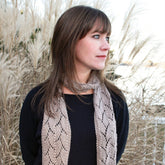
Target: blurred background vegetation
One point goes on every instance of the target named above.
(25, 37)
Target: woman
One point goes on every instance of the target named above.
(75, 117)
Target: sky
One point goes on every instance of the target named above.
(150, 20)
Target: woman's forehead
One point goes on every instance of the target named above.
(101, 27)
(98, 28)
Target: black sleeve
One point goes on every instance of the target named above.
(122, 123)
(27, 130)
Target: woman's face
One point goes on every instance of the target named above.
(91, 51)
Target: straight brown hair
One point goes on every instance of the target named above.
(72, 26)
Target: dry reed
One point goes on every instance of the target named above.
(144, 92)
(25, 39)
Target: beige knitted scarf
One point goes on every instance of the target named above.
(56, 132)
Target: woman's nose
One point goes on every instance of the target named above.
(105, 45)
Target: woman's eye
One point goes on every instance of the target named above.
(97, 36)
(107, 38)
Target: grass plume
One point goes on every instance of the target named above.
(25, 39)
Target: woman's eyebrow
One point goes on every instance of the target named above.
(97, 31)
(100, 32)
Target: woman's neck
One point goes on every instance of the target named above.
(67, 91)
(82, 78)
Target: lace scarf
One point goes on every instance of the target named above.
(56, 132)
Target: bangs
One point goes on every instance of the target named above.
(102, 25)
(97, 19)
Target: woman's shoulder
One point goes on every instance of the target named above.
(33, 97)
(116, 94)
(32, 93)
(31, 104)
(118, 99)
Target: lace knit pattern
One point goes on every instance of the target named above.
(56, 132)
(105, 125)
(56, 136)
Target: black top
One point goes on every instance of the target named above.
(83, 139)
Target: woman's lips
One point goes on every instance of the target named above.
(101, 56)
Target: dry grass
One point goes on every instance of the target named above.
(25, 60)
(143, 90)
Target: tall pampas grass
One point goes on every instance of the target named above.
(25, 38)
(11, 71)
(37, 47)
(144, 92)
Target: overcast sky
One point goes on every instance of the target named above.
(152, 18)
